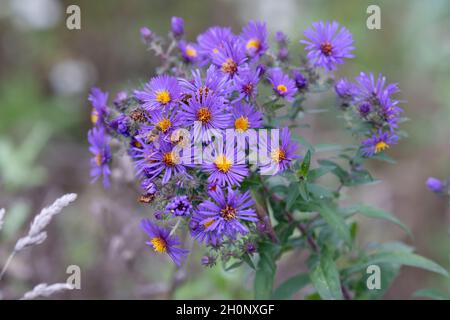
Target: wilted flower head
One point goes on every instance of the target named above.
(327, 46)
(121, 124)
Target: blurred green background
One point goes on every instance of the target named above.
(46, 71)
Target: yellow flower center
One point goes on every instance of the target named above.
(98, 159)
(380, 146)
(215, 50)
(163, 96)
(229, 66)
(281, 88)
(164, 125)
(278, 155)
(204, 115)
(206, 225)
(253, 44)
(223, 163)
(94, 116)
(170, 159)
(241, 124)
(228, 213)
(159, 244)
(191, 52)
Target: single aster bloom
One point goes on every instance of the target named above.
(327, 45)
(201, 231)
(282, 85)
(99, 147)
(435, 185)
(179, 206)
(177, 25)
(214, 82)
(166, 121)
(280, 157)
(213, 40)
(246, 84)
(345, 89)
(231, 59)
(162, 242)
(99, 101)
(189, 51)
(224, 168)
(254, 36)
(160, 92)
(208, 114)
(152, 161)
(228, 213)
(245, 117)
(378, 143)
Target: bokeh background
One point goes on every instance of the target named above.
(46, 71)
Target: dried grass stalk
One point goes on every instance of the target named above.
(2, 218)
(45, 290)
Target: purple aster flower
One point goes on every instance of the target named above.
(207, 114)
(300, 81)
(225, 168)
(162, 242)
(166, 121)
(378, 143)
(214, 82)
(327, 46)
(378, 94)
(254, 36)
(281, 38)
(364, 109)
(99, 101)
(152, 161)
(227, 213)
(213, 40)
(231, 59)
(146, 34)
(246, 84)
(121, 124)
(345, 89)
(282, 156)
(189, 51)
(177, 26)
(282, 85)
(99, 147)
(245, 116)
(161, 91)
(435, 185)
(201, 231)
(179, 206)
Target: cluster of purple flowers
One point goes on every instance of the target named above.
(213, 86)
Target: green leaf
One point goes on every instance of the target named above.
(408, 259)
(325, 277)
(293, 193)
(265, 271)
(291, 286)
(377, 213)
(430, 293)
(234, 266)
(248, 260)
(304, 191)
(336, 222)
(305, 165)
